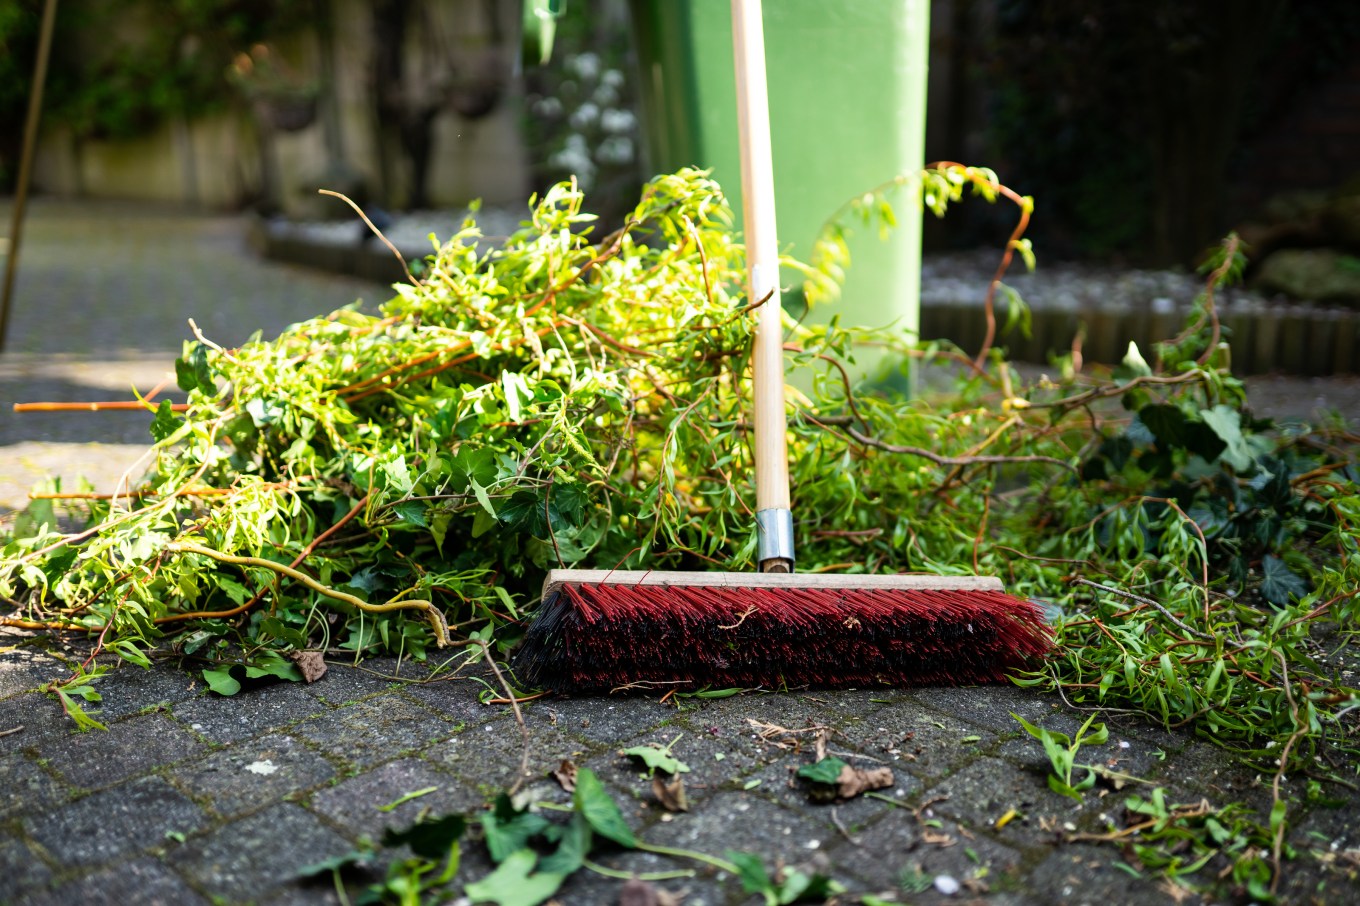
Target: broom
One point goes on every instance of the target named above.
(599, 630)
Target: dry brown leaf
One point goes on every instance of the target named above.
(311, 663)
(934, 839)
(670, 795)
(973, 885)
(566, 775)
(853, 781)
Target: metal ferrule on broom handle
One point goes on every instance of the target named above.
(774, 519)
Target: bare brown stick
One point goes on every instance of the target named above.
(104, 406)
(376, 232)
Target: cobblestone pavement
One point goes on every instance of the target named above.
(194, 798)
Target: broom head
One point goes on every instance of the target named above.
(601, 630)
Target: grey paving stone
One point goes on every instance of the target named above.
(129, 689)
(1080, 875)
(742, 822)
(457, 699)
(354, 805)
(920, 740)
(25, 667)
(307, 892)
(25, 787)
(248, 713)
(794, 710)
(345, 682)
(40, 717)
(991, 706)
(984, 791)
(602, 719)
(247, 859)
(899, 842)
(20, 869)
(142, 743)
(779, 782)
(586, 888)
(375, 730)
(141, 881)
(488, 755)
(253, 773)
(116, 822)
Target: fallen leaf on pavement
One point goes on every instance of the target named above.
(940, 840)
(566, 775)
(670, 795)
(311, 663)
(854, 781)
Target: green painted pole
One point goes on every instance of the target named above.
(847, 88)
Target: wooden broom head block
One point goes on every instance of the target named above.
(825, 581)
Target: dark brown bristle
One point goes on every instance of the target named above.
(594, 637)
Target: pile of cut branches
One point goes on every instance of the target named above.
(395, 481)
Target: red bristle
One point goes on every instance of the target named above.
(594, 637)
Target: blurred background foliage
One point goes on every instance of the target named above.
(1144, 128)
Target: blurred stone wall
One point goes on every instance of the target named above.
(460, 50)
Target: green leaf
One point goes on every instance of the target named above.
(431, 838)
(657, 757)
(828, 770)
(751, 871)
(192, 371)
(1226, 422)
(1167, 423)
(271, 664)
(1280, 583)
(594, 804)
(165, 423)
(219, 680)
(335, 863)
(572, 848)
(508, 829)
(515, 883)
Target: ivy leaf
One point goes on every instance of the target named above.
(657, 757)
(572, 850)
(1281, 583)
(220, 680)
(515, 883)
(431, 838)
(192, 372)
(1167, 424)
(1226, 422)
(595, 806)
(828, 770)
(355, 857)
(273, 664)
(751, 871)
(508, 830)
(165, 423)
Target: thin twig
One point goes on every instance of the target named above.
(1142, 600)
(376, 232)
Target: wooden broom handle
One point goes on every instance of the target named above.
(762, 256)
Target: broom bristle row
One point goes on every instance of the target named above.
(594, 637)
